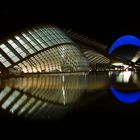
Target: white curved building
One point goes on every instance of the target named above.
(42, 48)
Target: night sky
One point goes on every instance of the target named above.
(103, 22)
(100, 20)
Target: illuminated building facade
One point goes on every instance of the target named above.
(47, 49)
(41, 49)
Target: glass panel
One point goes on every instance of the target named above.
(23, 54)
(30, 51)
(4, 61)
(15, 46)
(32, 41)
(9, 53)
(25, 45)
(6, 64)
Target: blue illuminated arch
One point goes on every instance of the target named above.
(125, 40)
(125, 97)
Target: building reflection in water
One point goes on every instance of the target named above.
(47, 96)
(128, 80)
(124, 77)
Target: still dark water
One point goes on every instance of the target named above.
(68, 100)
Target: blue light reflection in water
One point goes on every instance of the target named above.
(125, 97)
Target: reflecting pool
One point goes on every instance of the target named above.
(53, 97)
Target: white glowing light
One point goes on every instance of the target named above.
(120, 64)
(63, 90)
(124, 77)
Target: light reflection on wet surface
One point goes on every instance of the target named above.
(44, 97)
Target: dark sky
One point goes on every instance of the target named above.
(101, 21)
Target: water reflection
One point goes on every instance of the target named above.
(47, 96)
(124, 77)
(131, 80)
(126, 97)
